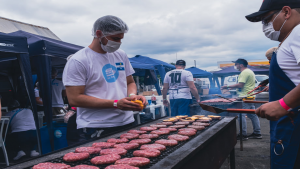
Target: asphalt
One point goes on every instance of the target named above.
(256, 153)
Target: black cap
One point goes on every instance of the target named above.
(271, 5)
(241, 61)
(180, 63)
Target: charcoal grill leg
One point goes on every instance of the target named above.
(241, 133)
(232, 159)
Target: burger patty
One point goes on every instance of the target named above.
(49, 165)
(187, 133)
(137, 132)
(121, 166)
(160, 132)
(178, 137)
(150, 136)
(158, 126)
(127, 146)
(153, 146)
(120, 151)
(71, 157)
(84, 167)
(169, 129)
(117, 141)
(167, 142)
(203, 120)
(90, 150)
(148, 153)
(177, 126)
(148, 128)
(189, 129)
(182, 123)
(141, 141)
(103, 145)
(129, 136)
(165, 123)
(105, 159)
(134, 161)
(196, 127)
(200, 124)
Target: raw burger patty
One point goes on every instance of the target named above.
(160, 132)
(103, 145)
(200, 124)
(189, 129)
(121, 166)
(196, 127)
(177, 126)
(90, 150)
(127, 146)
(120, 151)
(117, 141)
(178, 137)
(158, 126)
(187, 133)
(153, 146)
(84, 167)
(150, 136)
(71, 157)
(105, 159)
(137, 132)
(165, 123)
(49, 165)
(167, 142)
(182, 123)
(148, 128)
(169, 129)
(148, 153)
(129, 136)
(141, 141)
(134, 161)
(203, 120)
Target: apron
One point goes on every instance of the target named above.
(285, 137)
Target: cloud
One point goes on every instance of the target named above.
(201, 30)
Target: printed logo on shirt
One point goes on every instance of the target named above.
(120, 66)
(110, 73)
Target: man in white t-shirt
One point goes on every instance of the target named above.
(180, 84)
(99, 82)
(58, 92)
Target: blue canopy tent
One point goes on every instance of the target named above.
(46, 53)
(15, 63)
(160, 66)
(198, 73)
(231, 71)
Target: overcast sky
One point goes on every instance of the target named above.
(203, 30)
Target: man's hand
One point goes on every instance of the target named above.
(126, 104)
(272, 111)
(138, 97)
(166, 103)
(267, 88)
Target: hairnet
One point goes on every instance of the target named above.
(269, 52)
(109, 25)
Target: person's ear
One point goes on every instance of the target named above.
(287, 12)
(99, 33)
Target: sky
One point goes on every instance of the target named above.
(207, 31)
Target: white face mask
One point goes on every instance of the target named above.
(111, 46)
(270, 31)
(235, 67)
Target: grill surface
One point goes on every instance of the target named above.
(212, 96)
(129, 154)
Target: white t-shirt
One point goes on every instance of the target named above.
(57, 88)
(178, 87)
(104, 76)
(37, 94)
(288, 56)
(23, 121)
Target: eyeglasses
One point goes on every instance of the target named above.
(268, 18)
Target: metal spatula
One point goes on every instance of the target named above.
(218, 110)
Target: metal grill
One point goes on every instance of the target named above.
(208, 97)
(129, 154)
(224, 105)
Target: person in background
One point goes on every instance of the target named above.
(38, 99)
(246, 83)
(99, 82)
(58, 92)
(180, 84)
(23, 131)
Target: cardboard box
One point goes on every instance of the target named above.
(205, 91)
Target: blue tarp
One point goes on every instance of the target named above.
(14, 51)
(198, 73)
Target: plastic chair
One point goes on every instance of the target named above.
(4, 119)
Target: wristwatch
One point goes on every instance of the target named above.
(116, 103)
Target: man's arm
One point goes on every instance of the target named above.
(238, 85)
(131, 89)
(37, 99)
(165, 90)
(194, 90)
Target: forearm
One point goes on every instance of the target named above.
(90, 102)
(131, 88)
(194, 91)
(292, 99)
(165, 92)
(39, 102)
(235, 86)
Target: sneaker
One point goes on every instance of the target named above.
(34, 153)
(20, 155)
(255, 136)
(244, 137)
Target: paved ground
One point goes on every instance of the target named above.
(256, 154)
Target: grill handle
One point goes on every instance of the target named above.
(250, 111)
(251, 101)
